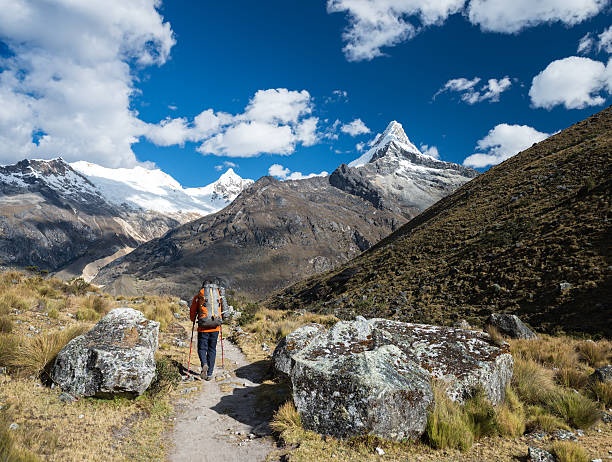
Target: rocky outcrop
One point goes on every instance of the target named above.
(374, 376)
(602, 374)
(116, 357)
(510, 325)
(282, 358)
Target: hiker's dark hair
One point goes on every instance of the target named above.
(207, 281)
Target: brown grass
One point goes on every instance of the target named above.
(567, 451)
(34, 355)
(531, 380)
(601, 392)
(495, 335)
(6, 325)
(595, 354)
(286, 418)
(572, 378)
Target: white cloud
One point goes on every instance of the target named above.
(274, 121)
(249, 139)
(225, 164)
(375, 24)
(469, 94)
(360, 146)
(354, 128)
(431, 151)
(513, 16)
(283, 173)
(575, 82)
(585, 45)
(503, 142)
(72, 83)
(605, 40)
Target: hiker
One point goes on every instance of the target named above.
(207, 308)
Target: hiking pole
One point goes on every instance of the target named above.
(190, 344)
(222, 360)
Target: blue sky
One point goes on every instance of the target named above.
(173, 62)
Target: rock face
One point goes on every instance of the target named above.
(603, 374)
(510, 325)
(116, 357)
(374, 376)
(282, 358)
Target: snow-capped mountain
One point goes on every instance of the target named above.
(154, 190)
(61, 216)
(395, 175)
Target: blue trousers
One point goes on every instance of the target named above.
(207, 349)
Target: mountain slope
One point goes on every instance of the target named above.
(531, 236)
(65, 217)
(276, 233)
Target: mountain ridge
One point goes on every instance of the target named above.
(530, 237)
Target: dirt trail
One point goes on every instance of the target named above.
(215, 427)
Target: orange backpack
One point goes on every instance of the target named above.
(209, 307)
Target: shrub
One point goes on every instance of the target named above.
(481, 414)
(78, 286)
(99, 305)
(448, 426)
(34, 355)
(539, 419)
(511, 415)
(577, 410)
(87, 314)
(167, 377)
(46, 291)
(496, 336)
(567, 451)
(6, 325)
(602, 392)
(572, 378)
(592, 353)
(8, 346)
(286, 418)
(531, 381)
(248, 314)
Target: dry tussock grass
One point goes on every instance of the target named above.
(567, 451)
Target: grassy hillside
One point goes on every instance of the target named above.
(531, 236)
(38, 316)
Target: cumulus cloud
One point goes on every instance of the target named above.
(471, 95)
(283, 173)
(354, 128)
(274, 121)
(430, 151)
(575, 82)
(376, 24)
(66, 90)
(511, 17)
(503, 142)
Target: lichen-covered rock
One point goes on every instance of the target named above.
(602, 374)
(116, 357)
(291, 344)
(374, 376)
(540, 455)
(510, 325)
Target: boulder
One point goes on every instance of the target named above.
(374, 376)
(293, 343)
(539, 455)
(602, 374)
(510, 325)
(114, 358)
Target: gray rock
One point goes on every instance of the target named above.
(13, 426)
(463, 324)
(177, 315)
(564, 435)
(602, 374)
(510, 325)
(116, 357)
(374, 376)
(540, 455)
(66, 398)
(282, 358)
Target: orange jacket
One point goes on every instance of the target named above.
(193, 312)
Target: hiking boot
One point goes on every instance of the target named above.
(208, 378)
(204, 371)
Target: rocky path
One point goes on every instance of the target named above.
(224, 423)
